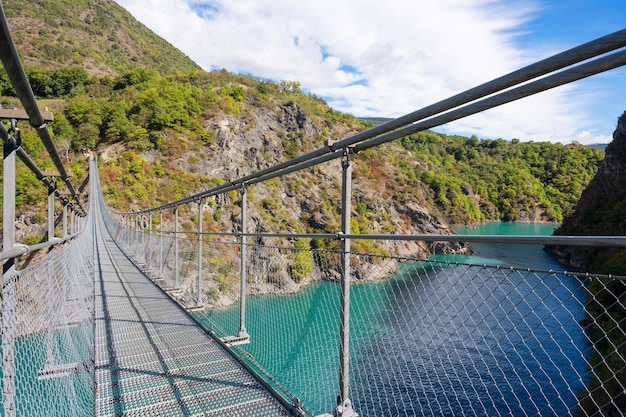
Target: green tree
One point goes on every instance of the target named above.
(135, 76)
(302, 264)
(86, 137)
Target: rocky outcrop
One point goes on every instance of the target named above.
(601, 210)
(384, 200)
(309, 200)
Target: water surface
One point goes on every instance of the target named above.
(434, 339)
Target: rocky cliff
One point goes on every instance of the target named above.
(601, 210)
(384, 199)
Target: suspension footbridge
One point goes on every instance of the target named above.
(110, 320)
(151, 358)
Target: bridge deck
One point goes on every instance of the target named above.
(152, 359)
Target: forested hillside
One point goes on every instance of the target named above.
(167, 129)
(474, 180)
(163, 137)
(600, 211)
(99, 36)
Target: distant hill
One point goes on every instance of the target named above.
(375, 120)
(601, 146)
(97, 35)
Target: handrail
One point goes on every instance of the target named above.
(18, 250)
(21, 153)
(15, 71)
(561, 60)
(581, 71)
(600, 241)
(584, 70)
(525, 239)
(21, 249)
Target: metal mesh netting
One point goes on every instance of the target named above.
(427, 337)
(454, 339)
(48, 315)
(173, 263)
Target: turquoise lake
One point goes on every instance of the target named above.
(426, 335)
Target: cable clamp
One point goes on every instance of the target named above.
(345, 161)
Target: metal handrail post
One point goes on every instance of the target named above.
(8, 281)
(242, 269)
(160, 243)
(176, 248)
(199, 298)
(344, 406)
(148, 253)
(125, 231)
(64, 234)
(50, 309)
(143, 238)
(138, 234)
(51, 212)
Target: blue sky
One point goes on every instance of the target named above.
(372, 58)
(566, 23)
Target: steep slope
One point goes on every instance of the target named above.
(245, 125)
(601, 210)
(97, 35)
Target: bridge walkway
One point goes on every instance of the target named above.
(151, 358)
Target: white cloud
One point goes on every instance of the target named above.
(372, 58)
(587, 138)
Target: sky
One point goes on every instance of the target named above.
(373, 58)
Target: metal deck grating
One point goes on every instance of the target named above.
(152, 359)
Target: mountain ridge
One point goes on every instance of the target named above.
(98, 35)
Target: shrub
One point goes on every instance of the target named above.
(302, 264)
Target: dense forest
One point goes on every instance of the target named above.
(476, 180)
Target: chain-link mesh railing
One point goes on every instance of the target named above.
(427, 337)
(454, 339)
(49, 317)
